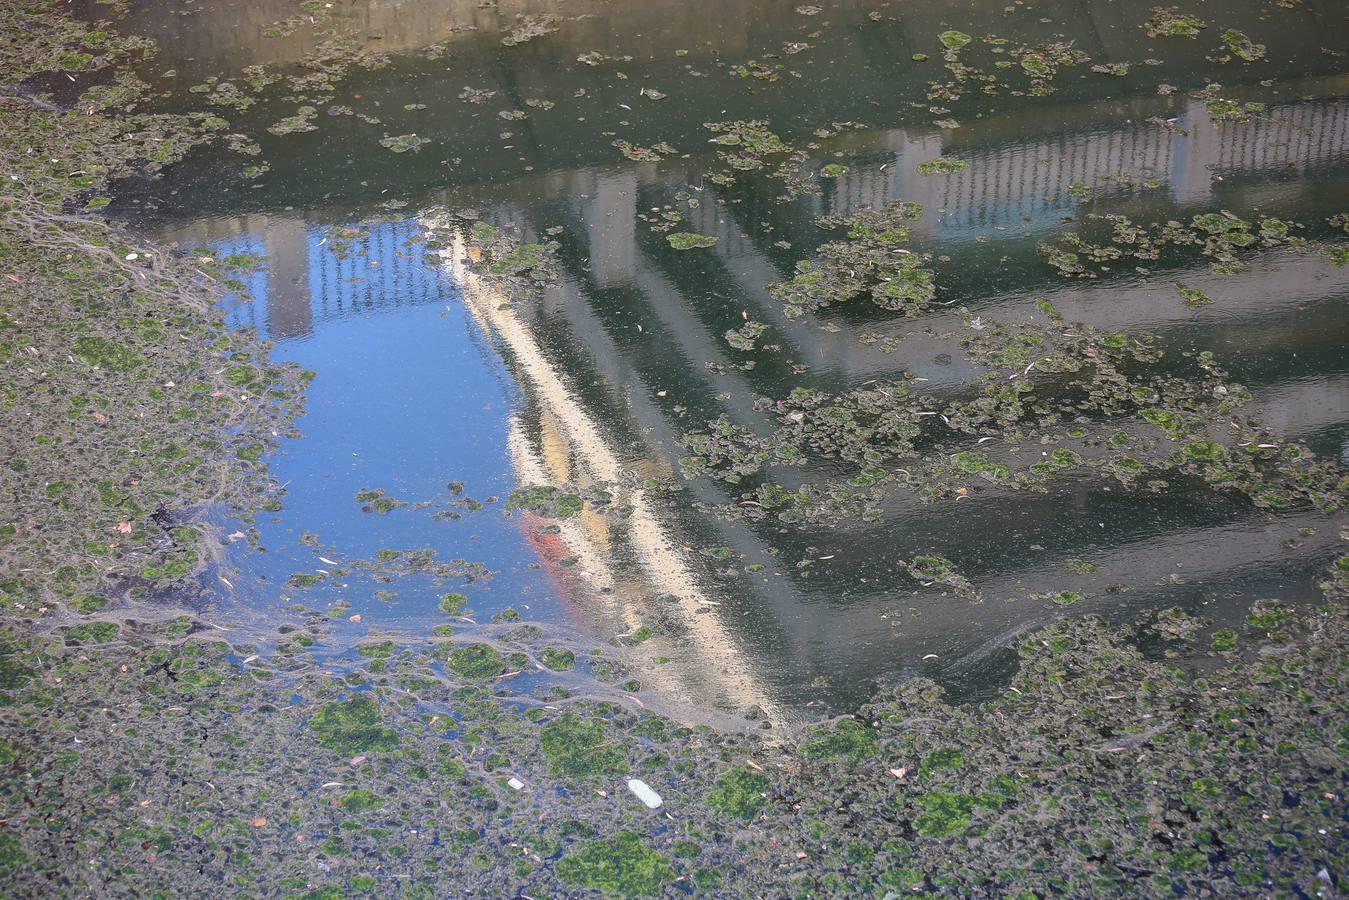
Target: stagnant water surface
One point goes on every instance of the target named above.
(428, 374)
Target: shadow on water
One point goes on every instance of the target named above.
(430, 374)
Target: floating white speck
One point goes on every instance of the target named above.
(516, 784)
(645, 794)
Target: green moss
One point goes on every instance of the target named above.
(954, 40)
(352, 726)
(476, 661)
(577, 748)
(739, 793)
(620, 865)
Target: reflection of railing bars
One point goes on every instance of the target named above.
(304, 279)
(1012, 181)
(340, 286)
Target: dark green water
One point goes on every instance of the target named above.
(426, 376)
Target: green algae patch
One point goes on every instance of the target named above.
(1242, 47)
(476, 661)
(942, 165)
(403, 143)
(522, 268)
(870, 263)
(103, 353)
(452, 604)
(847, 739)
(1168, 21)
(88, 604)
(580, 748)
(621, 865)
(91, 632)
(684, 240)
(944, 814)
(12, 855)
(559, 659)
(942, 760)
(352, 726)
(740, 793)
(546, 501)
(932, 569)
(360, 800)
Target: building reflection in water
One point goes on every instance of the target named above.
(591, 381)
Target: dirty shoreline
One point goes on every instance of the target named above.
(318, 747)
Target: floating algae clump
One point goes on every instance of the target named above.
(547, 501)
(352, 726)
(1168, 21)
(940, 570)
(954, 40)
(621, 865)
(685, 240)
(739, 793)
(558, 659)
(870, 263)
(577, 748)
(476, 661)
(453, 603)
(942, 165)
